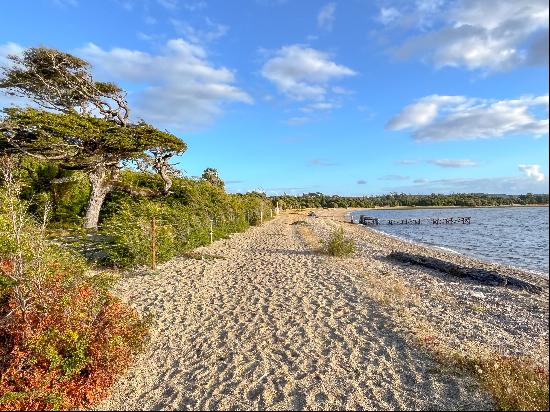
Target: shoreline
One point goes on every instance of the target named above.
(533, 272)
(270, 323)
(537, 272)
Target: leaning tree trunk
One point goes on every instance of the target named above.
(100, 186)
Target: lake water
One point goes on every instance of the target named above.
(515, 236)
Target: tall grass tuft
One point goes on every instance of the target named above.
(337, 244)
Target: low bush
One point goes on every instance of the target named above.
(337, 244)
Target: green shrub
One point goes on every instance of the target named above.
(182, 219)
(338, 245)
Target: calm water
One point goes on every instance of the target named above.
(513, 236)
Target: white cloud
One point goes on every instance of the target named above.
(388, 15)
(325, 18)
(302, 73)
(9, 49)
(320, 106)
(486, 35)
(211, 32)
(453, 163)
(437, 118)
(177, 87)
(532, 171)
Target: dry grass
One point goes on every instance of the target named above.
(392, 291)
(515, 383)
(309, 237)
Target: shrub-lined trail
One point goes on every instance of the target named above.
(273, 325)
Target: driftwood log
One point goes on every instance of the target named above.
(484, 276)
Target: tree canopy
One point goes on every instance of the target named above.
(83, 124)
(59, 81)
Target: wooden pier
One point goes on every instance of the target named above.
(374, 221)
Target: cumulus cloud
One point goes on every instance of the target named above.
(302, 73)
(438, 118)
(481, 34)
(325, 18)
(453, 163)
(532, 171)
(177, 87)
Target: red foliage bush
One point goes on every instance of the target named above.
(69, 349)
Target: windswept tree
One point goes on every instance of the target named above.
(211, 175)
(83, 124)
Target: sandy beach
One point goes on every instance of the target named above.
(264, 321)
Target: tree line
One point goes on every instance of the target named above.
(320, 200)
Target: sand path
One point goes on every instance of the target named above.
(275, 326)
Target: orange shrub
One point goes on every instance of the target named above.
(67, 352)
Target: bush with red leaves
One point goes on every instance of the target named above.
(67, 353)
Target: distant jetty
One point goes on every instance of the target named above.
(374, 221)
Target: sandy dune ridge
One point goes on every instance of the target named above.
(275, 325)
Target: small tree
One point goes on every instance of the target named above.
(211, 175)
(84, 124)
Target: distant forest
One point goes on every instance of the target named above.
(316, 200)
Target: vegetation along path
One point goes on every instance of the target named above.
(273, 325)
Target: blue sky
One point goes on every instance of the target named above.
(349, 97)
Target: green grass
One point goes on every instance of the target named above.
(337, 244)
